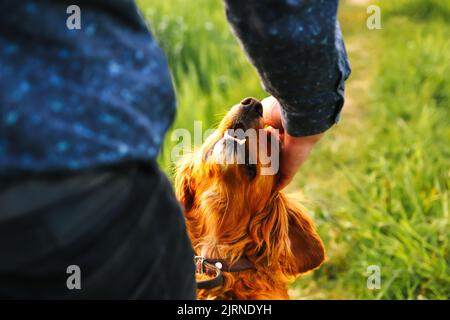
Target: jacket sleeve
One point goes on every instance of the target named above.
(297, 48)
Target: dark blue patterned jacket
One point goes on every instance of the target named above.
(73, 99)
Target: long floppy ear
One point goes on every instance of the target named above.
(285, 237)
(306, 245)
(183, 189)
(269, 230)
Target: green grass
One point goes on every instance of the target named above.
(378, 183)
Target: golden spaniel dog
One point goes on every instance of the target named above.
(250, 238)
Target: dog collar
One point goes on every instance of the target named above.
(215, 267)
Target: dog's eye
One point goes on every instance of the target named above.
(250, 171)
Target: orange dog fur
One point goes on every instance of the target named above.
(233, 211)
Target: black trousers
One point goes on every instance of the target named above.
(121, 226)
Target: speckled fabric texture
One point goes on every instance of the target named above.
(297, 47)
(74, 99)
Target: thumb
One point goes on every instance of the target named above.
(271, 112)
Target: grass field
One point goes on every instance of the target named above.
(378, 184)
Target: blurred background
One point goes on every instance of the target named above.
(377, 185)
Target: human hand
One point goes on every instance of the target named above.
(294, 150)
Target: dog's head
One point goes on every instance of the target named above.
(236, 155)
(233, 204)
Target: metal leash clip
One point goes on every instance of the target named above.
(202, 266)
(199, 264)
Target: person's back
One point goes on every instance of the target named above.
(83, 115)
(73, 99)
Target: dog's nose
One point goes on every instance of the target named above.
(253, 104)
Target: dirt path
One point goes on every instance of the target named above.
(360, 44)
